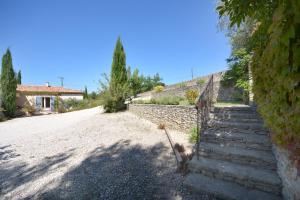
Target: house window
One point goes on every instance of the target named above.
(46, 102)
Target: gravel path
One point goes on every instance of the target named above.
(88, 155)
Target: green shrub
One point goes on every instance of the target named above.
(28, 109)
(74, 104)
(184, 102)
(191, 96)
(168, 100)
(2, 117)
(159, 88)
(193, 135)
(201, 82)
(140, 101)
(113, 103)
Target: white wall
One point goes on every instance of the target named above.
(71, 96)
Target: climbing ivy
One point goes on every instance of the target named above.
(275, 64)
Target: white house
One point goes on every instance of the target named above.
(42, 97)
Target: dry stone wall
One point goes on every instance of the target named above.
(176, 117)
(288, 174)
(220, 93)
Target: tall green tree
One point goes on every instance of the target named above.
(118, 70)
(118, 85)
(85, 94)
(19, 77)
(8, 85)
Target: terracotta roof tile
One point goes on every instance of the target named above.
(46, 89)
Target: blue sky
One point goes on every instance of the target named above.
(75, 38)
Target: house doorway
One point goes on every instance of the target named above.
(46, 102)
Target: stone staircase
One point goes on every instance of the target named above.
(235, 158)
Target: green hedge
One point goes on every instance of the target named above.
(276, 76)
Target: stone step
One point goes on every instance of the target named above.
(224, 189)
(240, 109)
(239, 130)
(256, 158)
(239, 125)
(250, 113)
(236, 117)
(250, 177)
(236, 139)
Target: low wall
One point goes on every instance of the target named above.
(177, 117)
(220, 93)
(288, 174)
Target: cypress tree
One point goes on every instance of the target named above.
(85, 95)
(118, 85)
(8, 85)
(118, 70)
(19, 77)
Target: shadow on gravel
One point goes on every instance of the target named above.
(7, 153)
(120, 171)
(15, 174)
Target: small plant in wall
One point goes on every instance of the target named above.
(159, 88)
(193, 135)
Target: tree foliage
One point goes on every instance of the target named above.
(93, 95)
(148, 82)
(140, 83)
(135, 83)
(275, 63)
(123, 84)
(8, 85)
(85, 94)
(237, 75)
(118, 85)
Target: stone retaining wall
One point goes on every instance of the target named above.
(180, 89)
(288, 174)
(177, 117)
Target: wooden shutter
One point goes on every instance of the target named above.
(52, 99)
(38, 102)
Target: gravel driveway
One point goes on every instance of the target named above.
(88, 155)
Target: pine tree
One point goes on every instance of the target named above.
(8, 85)
(19, 77)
